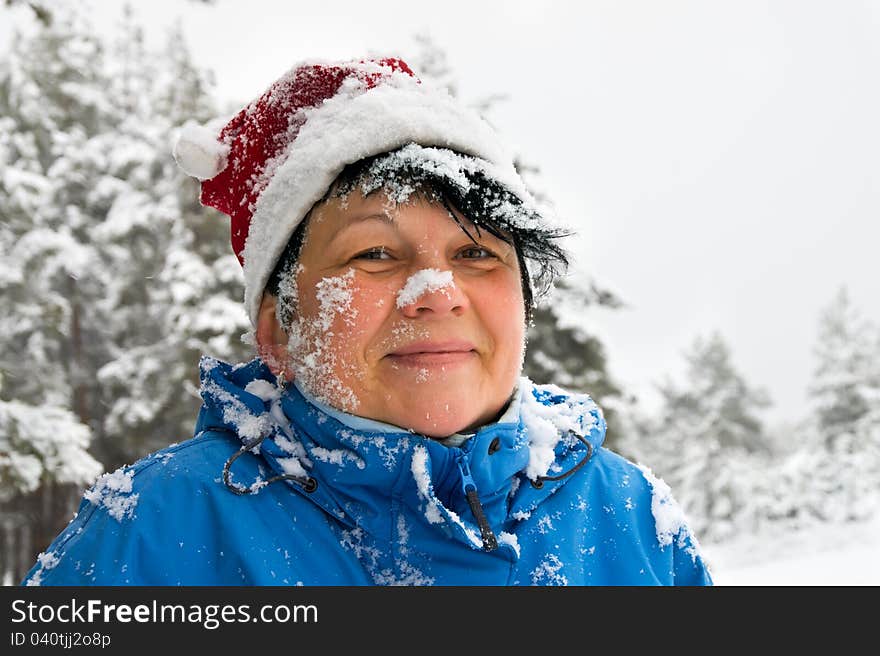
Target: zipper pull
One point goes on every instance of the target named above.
(490, 543)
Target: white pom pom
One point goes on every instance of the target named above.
(198, 152)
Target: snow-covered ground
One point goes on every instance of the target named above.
(835, 555)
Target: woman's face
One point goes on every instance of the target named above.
(401, 318)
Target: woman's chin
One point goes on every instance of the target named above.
(434, 421)
(434, 405)
(438, 431)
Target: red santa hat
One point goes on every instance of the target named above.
(268, 166)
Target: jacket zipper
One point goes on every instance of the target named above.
(490, 543)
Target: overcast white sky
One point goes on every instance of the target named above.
(721, 160)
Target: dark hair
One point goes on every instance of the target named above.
(465, 187)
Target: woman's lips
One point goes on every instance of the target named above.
(427, 354)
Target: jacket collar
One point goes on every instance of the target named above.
(359, 464)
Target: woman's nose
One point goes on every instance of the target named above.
(431, 293)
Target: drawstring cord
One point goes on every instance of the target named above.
(538, 483)
(490, 542)
(469, 487)
(308, 484)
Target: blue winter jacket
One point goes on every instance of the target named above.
(277, 489)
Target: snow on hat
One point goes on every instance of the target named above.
(278, 156)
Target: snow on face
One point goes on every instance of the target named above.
(361, 271)
(421, 282)
(334, 296)
(312, 357)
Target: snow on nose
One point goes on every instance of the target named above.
(421, 282)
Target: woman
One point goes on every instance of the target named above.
(385, 433)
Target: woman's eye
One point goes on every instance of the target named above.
(475, 253)
(373, 254)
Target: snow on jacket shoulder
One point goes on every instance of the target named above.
(273, 490)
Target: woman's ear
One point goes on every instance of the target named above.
(271, 338)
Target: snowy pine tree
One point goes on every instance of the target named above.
(846, 378)
(845, 421)
(707, 439)
(178, 294)
(116, 279)
(49, 332)
(42, 444)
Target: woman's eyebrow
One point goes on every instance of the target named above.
(372, 216)
(356, 220)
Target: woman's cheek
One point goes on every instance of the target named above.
(322, 343)
(355, 330)
(346, 340)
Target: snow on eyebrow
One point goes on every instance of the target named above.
(426, 280)
(113, 491)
